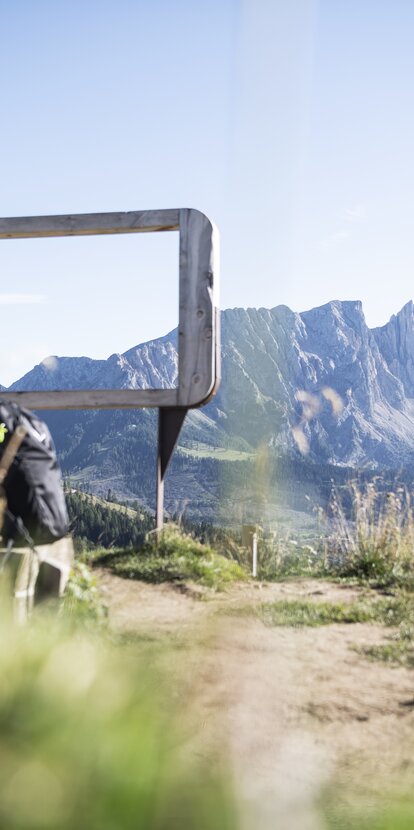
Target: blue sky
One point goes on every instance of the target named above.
(289, 122)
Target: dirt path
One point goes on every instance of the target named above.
(299, 709)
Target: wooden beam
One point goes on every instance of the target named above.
(93, 398)
(198, 341)
(86, 224)
(198, 331)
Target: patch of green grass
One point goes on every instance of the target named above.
(300, 613)
(102, 556)
(306, 613)
(397, 814)
(93, 736)
(219, 453)
(398, 648)
(398, 652)
(176, 557)
(281, 559)
(395, 612)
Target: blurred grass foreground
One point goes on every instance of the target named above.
(91, 736)
(114, 731)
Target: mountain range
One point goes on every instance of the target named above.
(319, 388)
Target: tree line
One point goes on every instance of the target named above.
(91, 521)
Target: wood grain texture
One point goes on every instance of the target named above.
(197, 353)
(94, 398)
(199, 322)
(84, 224)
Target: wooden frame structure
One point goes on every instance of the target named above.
(198, 324)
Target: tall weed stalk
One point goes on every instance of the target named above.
(371, 534)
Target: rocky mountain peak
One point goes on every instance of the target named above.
(319, 381)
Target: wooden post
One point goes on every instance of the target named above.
(254, 555)
(159, 510)
(250, 535)
(170, 422)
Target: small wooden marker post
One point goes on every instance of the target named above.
(254, 555)
(250, 535)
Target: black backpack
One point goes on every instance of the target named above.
(36, 509)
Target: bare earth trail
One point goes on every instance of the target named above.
(298, 711)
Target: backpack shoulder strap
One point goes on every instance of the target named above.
(11, 451)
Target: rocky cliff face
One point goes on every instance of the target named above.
(319, 383)
(395, 341)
